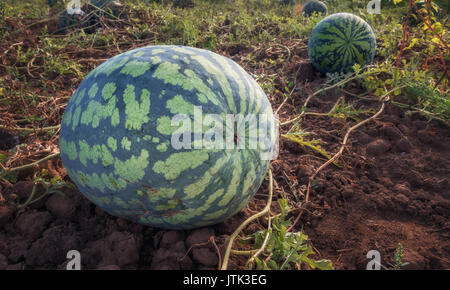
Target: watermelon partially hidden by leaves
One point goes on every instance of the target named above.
(428, 11)
(287, 2)
(340, 41)
(103, 3)
(52, 3)
(89, 18)
(317, 7)
(118, 131)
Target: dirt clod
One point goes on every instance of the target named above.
(33, 223)
(6, 213)
(109, 267)
(52, 247)
(205, 257)
(170, 238)
(305, 71)
(173, 258)
(378, 147)
(3, 262)
(17, 251)
(199, 236)
(60, 206)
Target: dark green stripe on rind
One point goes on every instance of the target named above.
(339, 41)
(115, 137)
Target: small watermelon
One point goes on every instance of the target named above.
(103, 3)
(339, 41)
(68, 21)
(425, 8)
(317, 7)
(116, 137)
(97, 3)
(52, 3)
(90, 16)
(183, 3)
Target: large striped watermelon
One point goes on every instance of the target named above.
(116, 137)
(315, 6)
(339, 41)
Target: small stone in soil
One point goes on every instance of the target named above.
(378, 147)
(403, 189)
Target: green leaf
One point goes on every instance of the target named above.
(259, 264)
(322, 264)
(3, 157)
(272, 264)
(259, 239)
(11, 177)
(282, 233)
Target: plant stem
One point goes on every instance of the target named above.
(28, 130)
(263, 246)
(247, 221)
(339, 153)
(29, 165)
(33, 191)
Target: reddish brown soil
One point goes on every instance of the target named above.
(393, 188)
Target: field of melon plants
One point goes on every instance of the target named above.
(108, 151)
